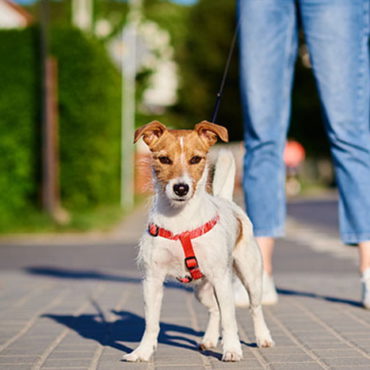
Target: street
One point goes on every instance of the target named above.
(78, 305)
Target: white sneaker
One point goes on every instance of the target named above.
(241, 297)
(365, 287)
(269, 293)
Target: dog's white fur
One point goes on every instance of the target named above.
(226, 249)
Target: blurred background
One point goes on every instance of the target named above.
(77, 77)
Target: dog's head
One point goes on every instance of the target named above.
(179, 156)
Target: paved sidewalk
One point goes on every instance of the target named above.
(79, 306)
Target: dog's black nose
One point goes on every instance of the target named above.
(181, 189)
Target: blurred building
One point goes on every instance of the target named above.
(13, 15)
(154, 54)
(82, 14)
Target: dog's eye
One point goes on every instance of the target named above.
(196, 159)
(165, 160)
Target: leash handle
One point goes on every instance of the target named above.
(226, 70)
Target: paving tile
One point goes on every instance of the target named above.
(244, 364)
(346, 361)
(353, 367)
(72, 355)
(301, 325)
(286, 358)
(176, 367)
(18, 366)
(297, 366)
(335, 353)
(119, 365)
(67, 362)
(29, 359)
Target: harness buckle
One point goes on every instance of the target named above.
(191, 263)
(153, 230)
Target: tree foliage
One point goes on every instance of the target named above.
(202, 58)
(89, 107)
(210, 30)
(89, 121)
(19, 119)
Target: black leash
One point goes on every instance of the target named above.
(226, 70)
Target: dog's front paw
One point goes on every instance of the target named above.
(207, 344)
(265, 341)
(232, 356)
(137, 356)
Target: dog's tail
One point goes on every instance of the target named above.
(224, 176)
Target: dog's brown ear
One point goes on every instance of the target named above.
(150, 132)
(209, 132)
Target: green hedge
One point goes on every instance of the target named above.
(89, 108)
(19, 117)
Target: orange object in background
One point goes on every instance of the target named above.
(294, 154)
(143, 171)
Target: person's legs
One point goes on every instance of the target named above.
(268, 43)
(364, 250)
(267, 245)
(337, 34)
(268, 39)
(269, 294)
(268, 47)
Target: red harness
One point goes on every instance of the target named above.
(191, 262)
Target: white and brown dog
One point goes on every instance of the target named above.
(194, 235)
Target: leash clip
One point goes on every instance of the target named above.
(185, 279)
(153, 230)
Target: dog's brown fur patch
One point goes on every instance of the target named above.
(180, 147)
(177, 153)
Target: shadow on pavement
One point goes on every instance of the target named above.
(290, 292)
(62, 273)
(128, 327)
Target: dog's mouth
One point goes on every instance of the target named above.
(177, 201)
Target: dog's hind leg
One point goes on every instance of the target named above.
(205, 294)
(248, 267)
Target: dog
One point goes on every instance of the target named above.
(209, 230)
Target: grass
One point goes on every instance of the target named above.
(101, 218)
(310, 188)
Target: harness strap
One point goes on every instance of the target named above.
(190, 260)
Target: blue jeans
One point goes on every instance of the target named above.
(336, 32)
